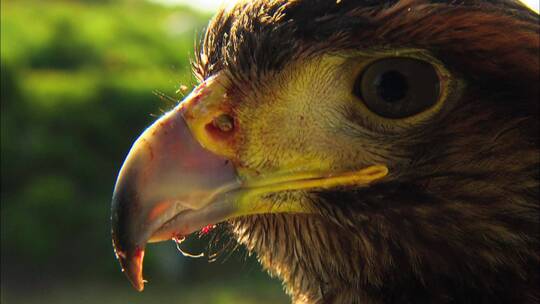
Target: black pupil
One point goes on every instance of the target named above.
(391, 86)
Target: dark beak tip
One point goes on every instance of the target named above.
(129, 254)
(131, 264)
(137, 284)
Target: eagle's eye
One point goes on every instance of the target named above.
(398, 87)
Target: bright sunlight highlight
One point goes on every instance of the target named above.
(213, 5)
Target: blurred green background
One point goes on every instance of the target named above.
(79, 81)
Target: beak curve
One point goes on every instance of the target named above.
(167, 174)
(171, 186)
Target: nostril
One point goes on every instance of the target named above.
(221, 127)
(223, 122)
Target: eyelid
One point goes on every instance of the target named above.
(450, 89)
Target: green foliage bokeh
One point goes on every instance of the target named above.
(78, 83)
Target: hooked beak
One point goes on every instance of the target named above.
(167, 175)
(171, 186)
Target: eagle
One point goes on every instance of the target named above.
(367, 151)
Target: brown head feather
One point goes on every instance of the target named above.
(458, 220)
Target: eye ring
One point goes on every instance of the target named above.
(398, 87)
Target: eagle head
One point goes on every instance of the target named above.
(366, 151)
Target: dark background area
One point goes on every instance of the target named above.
(79, 81)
